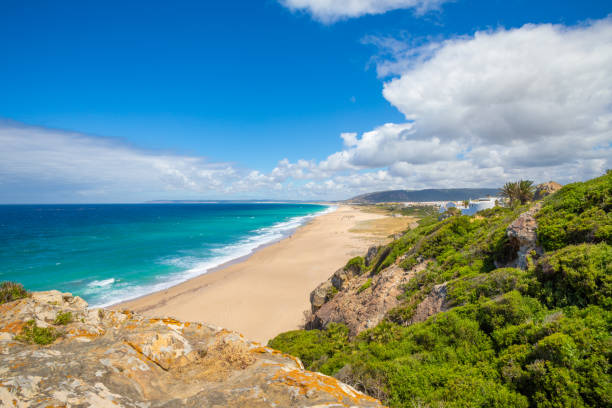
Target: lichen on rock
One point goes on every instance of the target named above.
(107, 358)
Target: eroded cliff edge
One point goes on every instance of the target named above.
(106, 358)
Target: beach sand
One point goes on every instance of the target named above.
(268, 292)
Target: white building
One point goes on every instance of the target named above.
(473, 207)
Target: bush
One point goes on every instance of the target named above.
(313, 347)
(578, 213)
(356, 264)
(559, 348)
(63, 318)
(577, 275)
(471, 289)
(536, 338)
(31, 333)
(511, 308)
(10, 291)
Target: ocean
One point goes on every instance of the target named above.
(114, 252)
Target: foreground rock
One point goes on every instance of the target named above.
(120, 359)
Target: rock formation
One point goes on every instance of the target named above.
(370, 255)
(522, 234)
(116, 359)
(363, 300)
(433, 304)
(545, 189)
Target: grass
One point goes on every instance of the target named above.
(31, 333)
(366, 285)
(10, 291)
(63, 318)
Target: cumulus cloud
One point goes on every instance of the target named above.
(329, 11)
(526, 84)
(533, 102)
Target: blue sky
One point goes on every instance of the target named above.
(214, 96)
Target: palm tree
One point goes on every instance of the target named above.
(521, 191)
(525, 191)
(508, 191)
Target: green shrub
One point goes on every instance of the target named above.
(559, 348)
(63, 318)
(356, 264)
(470, 289)
(577, 275)
(366, 285)
(578, 213)
(511, 308)
(536, 338)
(31, 333)
(314, 347)
(10, 291)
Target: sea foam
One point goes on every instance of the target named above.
(110, 292)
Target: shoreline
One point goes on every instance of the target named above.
(226, 264)
(267, 291)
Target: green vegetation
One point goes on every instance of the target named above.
(577, 275)
(579, 212)
(331, 292)
(419, 211)
(31, 333)
(425, 214)
(10, 291)
(366, 285)
(520, 191)
(512, 338)
(356, 264)
(63, 318)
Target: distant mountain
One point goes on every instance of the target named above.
(431, 194)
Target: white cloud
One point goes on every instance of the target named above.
(329, 11)
(527, 84)
(386, 145)
(533, 102)
(86, 168)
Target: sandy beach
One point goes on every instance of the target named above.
(267, 293)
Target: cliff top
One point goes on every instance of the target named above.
(103, 358)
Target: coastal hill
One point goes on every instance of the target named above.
(55, 352)
(510, 307)
(449, 194)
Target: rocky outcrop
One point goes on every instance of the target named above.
(328, 289)
(120, 359)
(433, 304)
(364, 299)
(545, 189)
(522, 234)
(371, 255)
(321, 294)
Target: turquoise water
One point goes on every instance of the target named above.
(110, 253)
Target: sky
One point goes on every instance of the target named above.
(120, 101)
